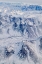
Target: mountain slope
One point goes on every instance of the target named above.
(20, 34)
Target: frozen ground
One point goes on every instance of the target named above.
(20, 34)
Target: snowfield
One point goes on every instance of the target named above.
(20, 33)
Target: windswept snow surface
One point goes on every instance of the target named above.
(20, 33)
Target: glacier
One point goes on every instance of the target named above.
(20, 33)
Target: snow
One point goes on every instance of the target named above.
(13, 37)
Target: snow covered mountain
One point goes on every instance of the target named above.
(20, 33)
(22, 6)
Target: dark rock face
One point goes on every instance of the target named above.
(14, 25)
(22, 53)
(40, 43)
(0, 23)
(12, 19)
(22, 27)
(8, 53)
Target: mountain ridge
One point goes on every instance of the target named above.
(23, 7)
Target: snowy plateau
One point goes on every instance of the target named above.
(20, 33)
